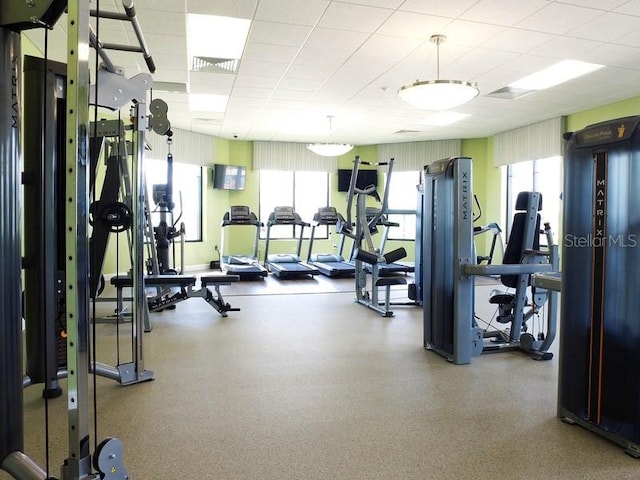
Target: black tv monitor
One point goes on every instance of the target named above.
(229, 177)
(364, 179)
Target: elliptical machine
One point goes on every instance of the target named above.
(165, 232)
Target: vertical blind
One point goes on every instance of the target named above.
(531, 142)
(413, 156)
(289, 156)
(186, 147)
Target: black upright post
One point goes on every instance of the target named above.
(11, 419)
(44, 260)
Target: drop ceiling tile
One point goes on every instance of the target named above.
(469, 34)
(295, 12)
(305, 71)
(598, 4)
(451, 8)
(517, 40)
(564, 48)
(224, 8)
(412, 25)
(607, 27)
(342, 15)
(300, 85)
(262, 52)
(268, 69)
(502, 12)
(278, 33)
(559, 18)
(393, 4)
(335, 40)
(156, 5)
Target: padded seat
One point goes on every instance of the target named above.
(388, 281)
(218, 279)
(501, 298)
(156, 281)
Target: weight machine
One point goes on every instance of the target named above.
(364, 250)
(599, 379)
(450, 265)
(63, 274)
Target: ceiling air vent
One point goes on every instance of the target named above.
(215, 65)
(509, 93)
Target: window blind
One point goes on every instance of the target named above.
(186, 147)
(290, 156)
(413, 156)
(531, 142)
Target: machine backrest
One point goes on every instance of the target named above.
(517, 243)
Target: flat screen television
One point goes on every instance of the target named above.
(364, 179)
(229, 177)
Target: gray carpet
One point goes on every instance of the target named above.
(317, 387)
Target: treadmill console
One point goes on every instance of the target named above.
(284, 215)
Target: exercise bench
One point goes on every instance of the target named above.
(167, 296)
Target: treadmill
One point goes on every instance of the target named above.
(284, 265)
(247, 267)
(329, 264)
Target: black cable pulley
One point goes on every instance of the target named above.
(116, 217)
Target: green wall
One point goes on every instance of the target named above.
(487, 184)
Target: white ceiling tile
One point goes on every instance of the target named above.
(297, 84)
(256, 81)
(342, 15)
(310, 72)
(451, 8)
(559, 18)
(501, 12)
(517, 40)
(564, 48)
(335, 40)
(598, 4)
(268, 69)
(297, 12)
(250, 92)
(156, 5)
(224, 8)
(470, 34)
(263, 52)
(607, 27)
(412, 25)
(278, 33)
(393, 4)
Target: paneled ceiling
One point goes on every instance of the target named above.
(305, 60)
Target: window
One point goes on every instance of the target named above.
(403, 197)
(544, 176)
(304, 191)
(187, 195)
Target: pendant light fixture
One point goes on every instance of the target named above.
(438, 94)
(330, 149)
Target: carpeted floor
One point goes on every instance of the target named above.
(314, 386)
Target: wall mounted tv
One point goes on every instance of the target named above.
(229, 177)
(364, 179)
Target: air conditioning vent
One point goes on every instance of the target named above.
(509, 93)
(215, 65)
